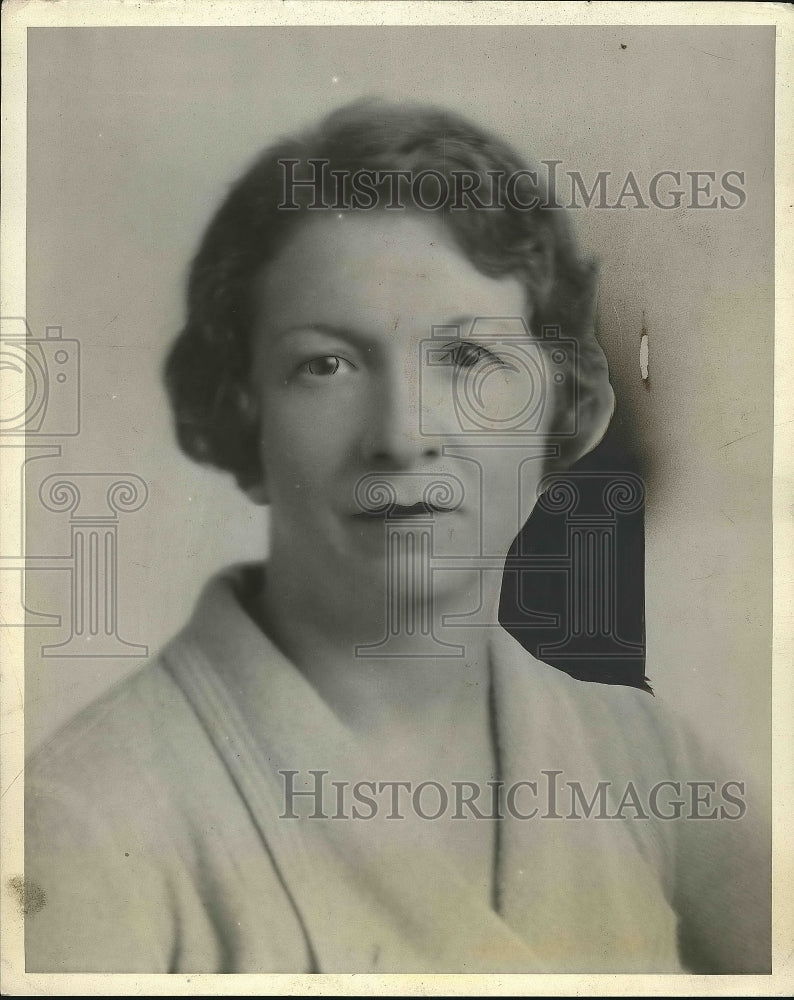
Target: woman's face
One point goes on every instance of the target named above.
(354, 378)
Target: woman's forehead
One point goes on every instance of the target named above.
(379, 264)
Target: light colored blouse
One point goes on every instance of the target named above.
(156, 831)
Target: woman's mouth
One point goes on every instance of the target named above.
(405, 496)
(393, 511)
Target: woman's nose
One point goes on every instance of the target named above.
(401, 433)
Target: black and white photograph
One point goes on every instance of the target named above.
(388, 428)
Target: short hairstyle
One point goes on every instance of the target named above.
(208, 369)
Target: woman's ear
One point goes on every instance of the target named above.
(258, 493)
(596, 396)
(254, 482)
(596, 414)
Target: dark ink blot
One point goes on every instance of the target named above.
(622, 45)
(31, 897)
(552, 575)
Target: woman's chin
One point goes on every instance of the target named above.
(415, 591)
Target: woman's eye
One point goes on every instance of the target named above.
(329, 364)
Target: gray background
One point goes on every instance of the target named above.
(134, 136)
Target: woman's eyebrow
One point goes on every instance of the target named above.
(489, 325)
(328, 330)
(456, 325)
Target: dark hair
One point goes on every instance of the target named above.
(209, 366)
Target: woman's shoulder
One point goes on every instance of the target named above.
(603, 718)
(143, 725)
(128, 738)
(132, 822)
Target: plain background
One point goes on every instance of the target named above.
(134, 136)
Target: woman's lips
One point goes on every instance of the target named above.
(399, 510)
(404, 496)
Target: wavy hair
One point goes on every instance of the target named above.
(208, 368)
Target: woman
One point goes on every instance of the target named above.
(342, 764)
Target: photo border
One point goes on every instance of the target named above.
(17, 17)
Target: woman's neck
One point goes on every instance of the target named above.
(371, 674)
